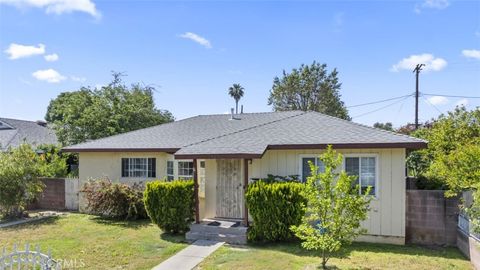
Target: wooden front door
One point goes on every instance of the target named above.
(230, 200)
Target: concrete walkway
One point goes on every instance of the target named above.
(40, 216)
(190, 257)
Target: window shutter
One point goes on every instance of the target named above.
(152, 167)
(124, 167)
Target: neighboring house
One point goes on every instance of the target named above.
(14, 132)
(229, 151)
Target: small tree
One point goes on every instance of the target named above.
(19, 183)
(334, 210)
(236, 91)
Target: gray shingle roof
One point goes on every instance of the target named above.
(251, 134)
(14, 132)
(305, 130)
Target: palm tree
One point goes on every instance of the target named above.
(236, 92)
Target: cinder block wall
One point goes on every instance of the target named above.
(53, 195)
(431, 218)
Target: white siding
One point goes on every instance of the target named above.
(387, 215)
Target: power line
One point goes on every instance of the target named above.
(449, 96)
(384, 107)
(379, 101)
(431, 104)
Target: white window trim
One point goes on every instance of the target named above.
(166, 172)
(377, 170)
(300, 162)
(176, 168)
(130, 167)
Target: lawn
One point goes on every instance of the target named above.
(96, 243)
(357, 256)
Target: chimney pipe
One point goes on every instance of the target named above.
(241, 109)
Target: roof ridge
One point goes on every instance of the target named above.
(22, 120)
(374, 128)
(245, 129)
(272, 112)
(131, 131)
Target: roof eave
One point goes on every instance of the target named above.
(218, 156)
(80, 150)
(407, 145)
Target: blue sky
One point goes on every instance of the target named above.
(193, 51)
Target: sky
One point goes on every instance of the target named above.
(191, 52)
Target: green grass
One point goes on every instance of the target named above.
(97, 243)
(357, 256)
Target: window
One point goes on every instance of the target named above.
(305, 167)
(185, 170)
(138, 167)
(365, 168)
(170, 174)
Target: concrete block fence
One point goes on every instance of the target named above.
(58, 194)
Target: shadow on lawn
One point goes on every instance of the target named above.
(414, 250)
(33, 224)
(132, 224)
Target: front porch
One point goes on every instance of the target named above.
(221, 212)
(232, 232)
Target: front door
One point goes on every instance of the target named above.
(229, 189)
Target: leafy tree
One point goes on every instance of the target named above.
(448, 136)
(53, 163)
(89, 114)
(308, 88)
(334, 210)
(19, 183)
(236, 91)
(386, 126)
(460, 169)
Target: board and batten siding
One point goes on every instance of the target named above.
(387, 215)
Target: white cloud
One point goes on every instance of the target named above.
(432, 4)
(16, 51)
(78, 79)
(198, 39)
(51, 57)
(438, 100)
(48, 75)
(475, 54)
(462, 102)
(57, 6)
(431, 63)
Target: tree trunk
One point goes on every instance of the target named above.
(324, 260)
(236, 106)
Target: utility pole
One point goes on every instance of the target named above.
(417, 70)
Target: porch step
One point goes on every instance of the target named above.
(227, 238)
(202, 228)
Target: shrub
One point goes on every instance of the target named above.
(114, 200)
(170, 205)
(274, 207)
(19, 183)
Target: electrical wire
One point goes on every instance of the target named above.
(431, 104)
(425, 94)
(379, 101)
(384, 107)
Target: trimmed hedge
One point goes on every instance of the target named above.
(274, 207)
(170, 205)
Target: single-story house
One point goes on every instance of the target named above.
(14, 132)
(223, 153)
